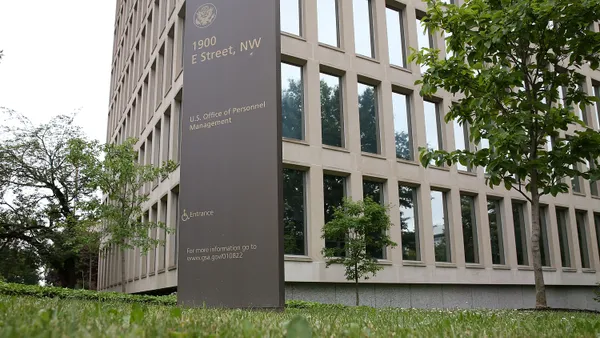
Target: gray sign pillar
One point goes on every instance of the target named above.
(230, 209)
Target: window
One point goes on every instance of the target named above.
(432, 126)
(402, 126)
(374, 190)
(518, 210)
(582, 235)
(597, 225)
(469, 226)
(461, 141)
(367, 111)
(327, 20)
(496, 231)
(363, 28)
(449, 52)
(294, 214)
(581, 113)
(408, 223)
(291, 19)
(162, 234)
(424, 40)
(441, 228)
(593, 184)
(332, 126)
(576, 183)
(174, 225)
(562, 218)
(597, 94)
(544, 246)
(334, 191)
(292, 101)
(395, 34)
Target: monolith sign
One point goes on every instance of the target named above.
(230, 207)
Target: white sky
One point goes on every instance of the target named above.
(57, 59)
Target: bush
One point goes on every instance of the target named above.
(301, 304)
(12, 289)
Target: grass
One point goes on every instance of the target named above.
(26, 316)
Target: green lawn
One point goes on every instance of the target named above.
(52, 317)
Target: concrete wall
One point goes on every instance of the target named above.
(443, 296)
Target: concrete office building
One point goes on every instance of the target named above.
(352, 123)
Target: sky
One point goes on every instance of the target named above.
(57, 60)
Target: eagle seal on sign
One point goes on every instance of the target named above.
(205, 15)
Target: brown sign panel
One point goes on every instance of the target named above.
(230, 229)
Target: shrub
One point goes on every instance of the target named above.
(12, 289)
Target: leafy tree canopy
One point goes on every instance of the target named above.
(356, 222)
(514, 68)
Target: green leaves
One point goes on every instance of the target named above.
(508, 63)
(360, 226)
(124, 180)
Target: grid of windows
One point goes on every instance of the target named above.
(364, 108)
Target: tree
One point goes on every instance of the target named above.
(355, 221)
(39, 192)
(19, 264)
(121, 178)
(510, 62)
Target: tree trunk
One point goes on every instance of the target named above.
(540, 288)
(66, 273)
(123, 281)
(356, 283)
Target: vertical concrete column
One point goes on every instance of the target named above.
(483, 231)
(510, 250)
(380, 32)
(350, 105)
(315, 212)
(161, 260)
(457, 249)
(425, 225)
(346, 26)
(386, 114)
(410, 28)
(574, 239)
(528, 227)
(312, 110)
(591, 236)
(309, 17)
(395, 233)
(553, 241)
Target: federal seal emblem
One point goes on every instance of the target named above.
(205, 15)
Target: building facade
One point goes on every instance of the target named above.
(352, 123)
